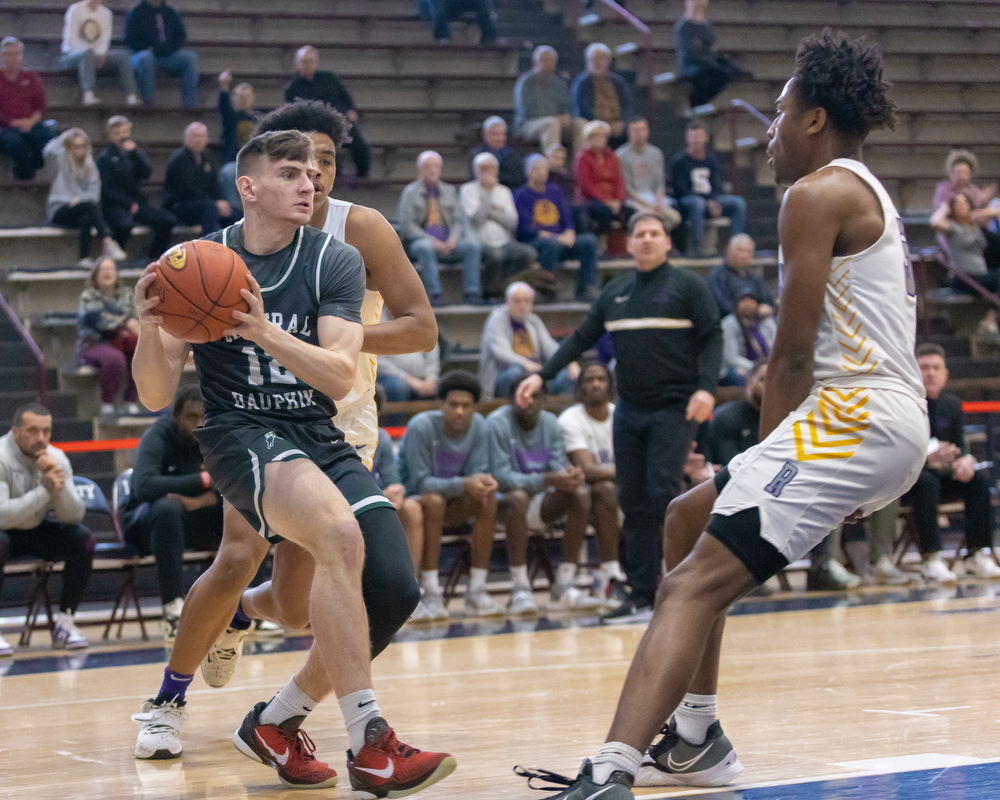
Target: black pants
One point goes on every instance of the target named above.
(931, 489)
(25, 149)
(84, 215)
(600, 216)
(361, 153)
(708, 79)
(992, 251)
(651, 448)
(165, 529)
(387, 584)
(202, 212)
(54, 541)
(161, 222)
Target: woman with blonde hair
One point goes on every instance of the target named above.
(75, 194)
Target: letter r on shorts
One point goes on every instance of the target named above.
(782, 479)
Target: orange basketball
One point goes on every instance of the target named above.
(199, 284)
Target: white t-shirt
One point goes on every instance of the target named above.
(582, 432)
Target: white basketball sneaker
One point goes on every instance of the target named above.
(219, 666)
(160, 731)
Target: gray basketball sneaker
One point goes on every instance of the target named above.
(617, 787)
(672, 761)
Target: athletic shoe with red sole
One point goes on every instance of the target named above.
(286, 748)
(385, 767)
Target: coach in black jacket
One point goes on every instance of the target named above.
(665, 328)
(124, 168)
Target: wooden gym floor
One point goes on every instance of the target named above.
(888, 694)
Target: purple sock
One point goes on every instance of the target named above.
(240, 620)
(175, 686)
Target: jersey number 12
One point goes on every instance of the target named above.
(276, 372)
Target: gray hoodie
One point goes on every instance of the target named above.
(66, 187)
(24, 502)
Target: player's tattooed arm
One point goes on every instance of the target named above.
(159, 357)
(413, 327)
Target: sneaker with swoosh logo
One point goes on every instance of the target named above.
(286, 748)
(673, 761)
(385, 767)
(618, 786)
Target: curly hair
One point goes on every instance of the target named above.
(844, 77)
(307, 116)
(457, 380)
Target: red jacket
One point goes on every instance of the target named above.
(21, 97)
(598, 180)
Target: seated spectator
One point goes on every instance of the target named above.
(708, 72)
(645, 175)
(311, 83)
(545, 222)
(950, 474)
(86, 47)
(516, 340)
(124, 169)
(600, 186)
(22, 105)
(442, 12)
(495, 142)
(173, 505)
(155, 34)
(747, 339)
(239, 118)
(445, 464)
(75, 193)
(733, 277)
(40, 515)
(191, 187)
(489, 207)
(600, 94)
(587, 430)
(543, 108)
(528, 460)
(385, 471)
(559, 176)
(409, 376)
(107, 333)
(697, 181)
(960, 167)
(966, 249)
(434, 228)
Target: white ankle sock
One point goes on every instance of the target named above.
(695, 715)
(565, 574)
(477, 579)
(429, 581)
(519, 575)
(359, 708)
(613, 569)
(290, 701)
(615, 756)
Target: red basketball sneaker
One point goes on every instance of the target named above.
(285, 747)
(384, 767)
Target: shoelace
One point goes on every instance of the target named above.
(299, 741)
(552, 778)
(394, 745)
(226, 654)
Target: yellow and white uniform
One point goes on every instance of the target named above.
(356, 414)
(860, 439)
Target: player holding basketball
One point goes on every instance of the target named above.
(844, 419)
(273, 452)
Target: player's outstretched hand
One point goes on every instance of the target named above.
(526, 389)
(253, 325)
(145, 307)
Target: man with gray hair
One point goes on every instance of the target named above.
(22, 106)
(434, 228)
(543, 108)
(495, 143)
(489, 207)
(191, 187)
(599, 93)
(733, 278)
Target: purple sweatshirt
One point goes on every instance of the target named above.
(541, 211)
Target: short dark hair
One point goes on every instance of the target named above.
(517, 382)
(187, 394)
(458, 380)
(644, 217)
(30, 408)
(275, 146)
(697, 125)
(930, 349)
(844, 77)
(578, 386)
(307, 116)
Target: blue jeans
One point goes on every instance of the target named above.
(85, 64)
(25, 149)
(560, 384)
(695, 207)
(467, 251)
(551, 253)
(397, 390)
(182, 62)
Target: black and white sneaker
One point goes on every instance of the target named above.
(617, 787)
(673, 761)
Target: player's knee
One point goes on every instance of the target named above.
(293, 615)
(433, 504)
(234, 566)
(604, 494)
(580, 498)
(518, 501)
(167, 508)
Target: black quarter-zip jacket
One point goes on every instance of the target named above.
(665, 328)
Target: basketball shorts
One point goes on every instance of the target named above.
(535, 522)
(236, 449)
(841, 450)
(360, 426)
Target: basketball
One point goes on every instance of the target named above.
(199, 284)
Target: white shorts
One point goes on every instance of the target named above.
(840, 451)
(535, 522)
(360, 428)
